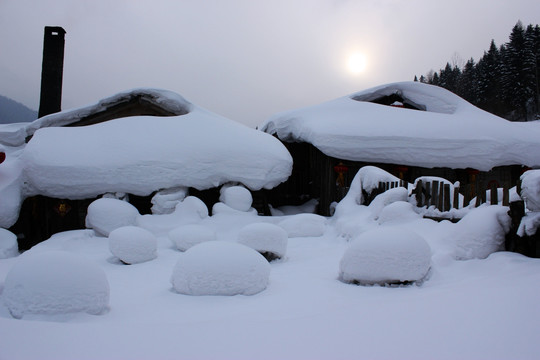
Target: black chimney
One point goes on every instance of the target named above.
(51, 71)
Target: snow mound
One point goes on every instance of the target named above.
(398, 212)
(106, 214)
(189, 211)
(133, 245)
(236, 197)
(165, 201)
(187, 236)
(55, 282)
(530, 189)
(399, 194)
(386, 255)
(481, 232)
(304, 225)
(268, 239)
(220, 268)
(8, 244)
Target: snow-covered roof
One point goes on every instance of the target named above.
(162, 101)
(449, 132)
(139, 155)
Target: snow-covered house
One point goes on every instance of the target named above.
(137, 142)
(410, 129)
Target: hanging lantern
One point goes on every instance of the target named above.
(62, 208)
(2, 156)
(341, 169)
(472, 174)
(401, 170)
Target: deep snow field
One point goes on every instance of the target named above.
(474, 308)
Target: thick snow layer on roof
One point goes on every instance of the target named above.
(449, 133)
(143, 154)
(171, 102)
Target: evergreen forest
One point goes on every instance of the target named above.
(504, 81)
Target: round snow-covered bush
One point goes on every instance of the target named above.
(398, 212)
(55, 282)
(268, 239)
(133, 245)
(186, 236)
(191, 209)
(385, 255)
(236, 197)
(165, 201)
(304, 225)
(481, 232)
(220, 268)
(8, 244)
(106, 214)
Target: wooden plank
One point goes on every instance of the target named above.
(440, 202)
(446, 203)
(418, 192)
(455, 203)
(494, 194)
(428, 194)
(467, 196)
(435, 193)
(506, 195)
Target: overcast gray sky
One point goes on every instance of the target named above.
(245, 59)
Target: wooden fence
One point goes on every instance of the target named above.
(443, 195)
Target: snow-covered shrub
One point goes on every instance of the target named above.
(189, 211)
(530, 189)
(398, 212)
(133, 245)
(220, 268)
(366, 180)
(165, 201)
(386, 255)
(186, 236)
(106, 214)
(304, 225)
(268, 239)
(386, 198)
(236, 197)
(8, 244)
(481, 232)
(55, 282)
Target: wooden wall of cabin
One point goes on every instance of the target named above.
(313, 177)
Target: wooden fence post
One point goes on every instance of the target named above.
(418, 192)
(506, 195)
(428, 194)
(446, 197)
(467, 197)
(435, 193)
(494, 198)
(455, 204)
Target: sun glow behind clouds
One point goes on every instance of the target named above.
(356, 63)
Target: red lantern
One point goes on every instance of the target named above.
(2, 156)
(401, 170)
(340, 169)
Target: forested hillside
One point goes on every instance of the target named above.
(505, 81)
(13, 112)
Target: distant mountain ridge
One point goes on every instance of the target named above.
(12, 111)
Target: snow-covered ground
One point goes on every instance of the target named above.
(462, 309)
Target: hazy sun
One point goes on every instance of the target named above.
(356, 63)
